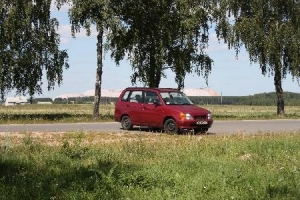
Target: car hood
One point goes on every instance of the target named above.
(191, 109)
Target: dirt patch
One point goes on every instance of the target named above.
(86, 138)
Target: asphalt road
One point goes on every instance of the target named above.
(219, 127)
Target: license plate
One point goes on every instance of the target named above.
(201, 122)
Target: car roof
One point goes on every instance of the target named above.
(156, 89)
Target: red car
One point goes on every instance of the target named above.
(163, 108)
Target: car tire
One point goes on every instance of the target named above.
(126, 123)
(170, 126)
(200, 131)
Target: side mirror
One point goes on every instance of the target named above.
(156, 102)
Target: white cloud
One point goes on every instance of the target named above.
(64, 40)
(64, 31)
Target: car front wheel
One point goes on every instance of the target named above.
(170, 126)
(126, 123)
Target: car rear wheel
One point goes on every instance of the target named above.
(126, 123)
(170, 126)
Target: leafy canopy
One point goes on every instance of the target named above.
(269, 29)
(29, 47)
(162, 34)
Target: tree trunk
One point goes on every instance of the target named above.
(155, 68)
(98, 74)
(154, 72)
(279, 91)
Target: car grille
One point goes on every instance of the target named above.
(200, 117)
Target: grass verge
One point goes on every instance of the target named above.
(86, 165)
(73, 113)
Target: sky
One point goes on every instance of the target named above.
(230, 76)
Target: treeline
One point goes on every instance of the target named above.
(84, 100)
(262, 99)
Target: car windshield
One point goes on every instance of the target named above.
(175, 98)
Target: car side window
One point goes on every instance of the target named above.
(136, 96)
(125, 96)
(150, 97)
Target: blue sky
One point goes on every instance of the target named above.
(229, 76)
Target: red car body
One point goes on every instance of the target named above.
(139, 106)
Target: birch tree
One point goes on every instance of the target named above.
(158, 35)
(29, 47)
(270, 32)
(98, 13)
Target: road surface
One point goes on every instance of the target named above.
(219, 127)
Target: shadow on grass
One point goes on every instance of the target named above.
(19, 181)
(104, 180)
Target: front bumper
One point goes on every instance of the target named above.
(194, 124)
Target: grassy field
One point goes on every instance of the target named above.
(82, 165)
(139, 165)
(58, 113)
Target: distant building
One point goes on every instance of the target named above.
(42, 101)
(12, 101)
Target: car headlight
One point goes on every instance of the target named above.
(186, 116)
(209, 116)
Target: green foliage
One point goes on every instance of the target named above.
(74, 151)
(270, 32)
(260, 166)
(29, 47)
(157, 35)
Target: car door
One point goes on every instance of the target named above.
(134, 107)
(153, 116)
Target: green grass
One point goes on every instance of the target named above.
(83, 113)
(55, 113)
(233, 112)
(86, 165)
(82, 165)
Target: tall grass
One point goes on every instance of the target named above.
(82, 165)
